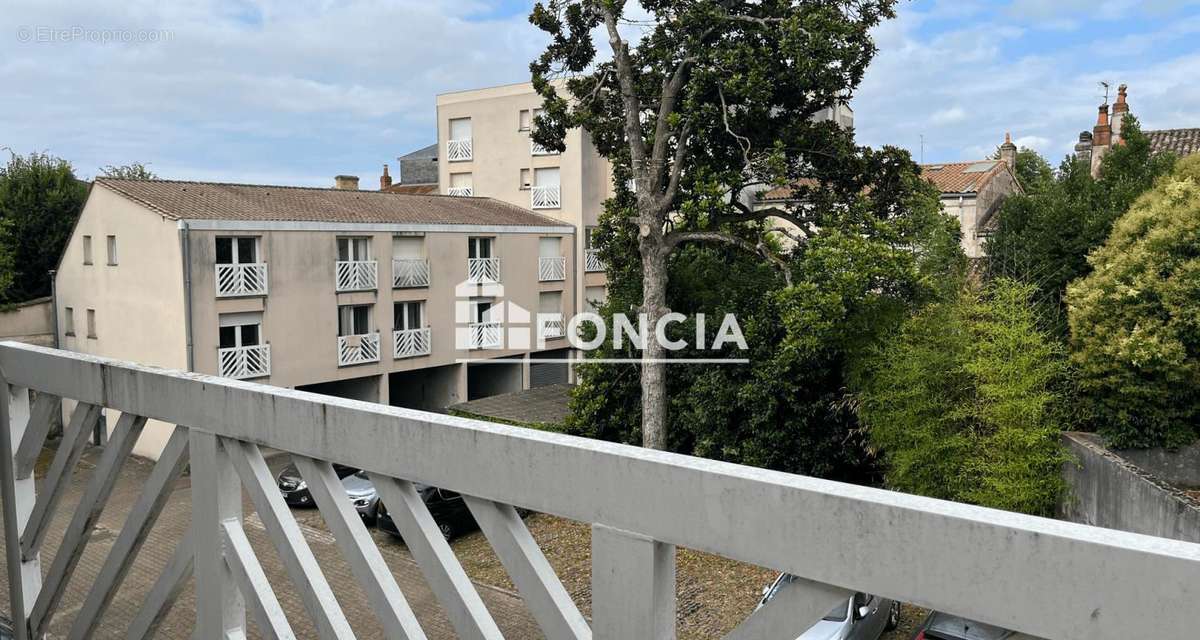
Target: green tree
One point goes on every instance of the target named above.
(966, 402)
(1135, 320)
(134, 171)
(716, 98)
(40, 199)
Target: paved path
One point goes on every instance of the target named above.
(507, 608)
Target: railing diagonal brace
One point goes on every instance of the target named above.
(52, 487)
(798, 604)
(252, 581)
(40, 419)
(165, 591)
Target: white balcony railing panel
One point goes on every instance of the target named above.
(358, 349)
(547, 196)
(483, 269)
(458, 150)
(357, 275)
(1044, 578)
(552, 268)
(460, 192)
(410, 272)
(241, 279)
(408, 343)
(553, 327)
(245, 362)
(592, 262)
(538, 150)
(485, 335)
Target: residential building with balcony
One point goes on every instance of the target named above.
(355, 294)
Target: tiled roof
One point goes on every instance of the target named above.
(262, 203)
(1181, 142)
(413, 189)
(961, 177)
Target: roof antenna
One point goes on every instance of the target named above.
(922, 148)
(1107, 87)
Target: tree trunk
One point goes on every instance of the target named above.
(654, 369)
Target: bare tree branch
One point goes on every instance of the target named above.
(633, 107)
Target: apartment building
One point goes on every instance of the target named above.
(410, 300)
(485, 150)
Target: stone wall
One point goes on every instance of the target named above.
(31, 322)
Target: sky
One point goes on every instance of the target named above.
(295, 92)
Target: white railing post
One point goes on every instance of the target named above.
(24, 577)
(216, 497)
(633, 586)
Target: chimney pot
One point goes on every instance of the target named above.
(1008, 152)
(385, 180)
(349, 183)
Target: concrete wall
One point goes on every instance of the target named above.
(1180, 468)
(139, 302)
(431, 389)
(31, 322)
(1109, 491)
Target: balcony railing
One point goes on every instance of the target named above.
(408, 343)
(538, 150)
(357, 275)
(241, 279)
(485, 335)
(592, 261)
(1041, 577)
(358, 349)
(461, 192)
(483, 269)
(552, 268)
(458, 150)
(410, 272)
(245, 362)
(545, 196)
(553, 327)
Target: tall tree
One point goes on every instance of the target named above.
(40, 199)
(133, 171)
(717, 97)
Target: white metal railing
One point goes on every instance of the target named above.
(552, 268)
(358, 349)
(410, 272)
(241, 279)
(483, 269)
(592, 261)
(1042, 577)
(245, 362)
(553, 327)
(461, 192)
(357, 275)
(485, 335)
(408, 343)
(538, 150)
(457, 150)
(546, 196)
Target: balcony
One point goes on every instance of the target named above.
(460, 192)
(245, 362)
(538, 150)
(552, 327)
(1040, 577)
(357, 275)
(592, 262)
(485, 335)
(546, 196)
(358, 349)
(483, 270)
(241, 280)
(552, 268)
(410, 272)
(409, 343)
(458, 150)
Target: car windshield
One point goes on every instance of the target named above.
(836, 614)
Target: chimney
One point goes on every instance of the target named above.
(1008, 152)
(1119, 111)
(349, 183)
(1083, 148)
(385, 180)
(1101, 140)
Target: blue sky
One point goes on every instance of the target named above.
(296, 92)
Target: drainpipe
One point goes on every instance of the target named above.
(185, 251)
(54, 307)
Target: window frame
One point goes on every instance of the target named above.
(235, 251)
(402, 312)
(110, 246)
(475, 243)
(69, 321)
(239, 335)
(351, 243)
(91, 323)
(87, 250)
(354, 318)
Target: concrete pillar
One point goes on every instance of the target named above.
(384, 389)
(633, 586)
(461, 388)
(526, 379)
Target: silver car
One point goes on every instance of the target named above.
(861, 617)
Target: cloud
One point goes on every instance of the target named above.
(949, 116)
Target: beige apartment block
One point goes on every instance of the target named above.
(420, 301)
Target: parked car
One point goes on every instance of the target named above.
(943, 626)
(358, 487)
(860, 617)
(448, 508)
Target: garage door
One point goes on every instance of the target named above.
(543, 374)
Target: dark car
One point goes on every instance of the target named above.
(448, 508)
(358, 487)
(943, 626)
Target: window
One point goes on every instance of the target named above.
(112, 250)
(525, 120)
(408, 315)
(547, 177)
(240, 330)
(354, 320)
(354, 249)
(481, 310)
(237, 250)
(408, 247)
(589, 237)
(550, 302)
(91, 323)
(549, 247)
(460, 129)
(87, 249)
(525, 183)
(594, 297)
(479, 247)
(69, 322)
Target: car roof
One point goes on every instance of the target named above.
(963, 629)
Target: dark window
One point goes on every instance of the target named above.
(354, 320)
(228, 337)
(406, 315)
(246, 251)
(479, 247)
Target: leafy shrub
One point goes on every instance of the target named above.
(1135, 320)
